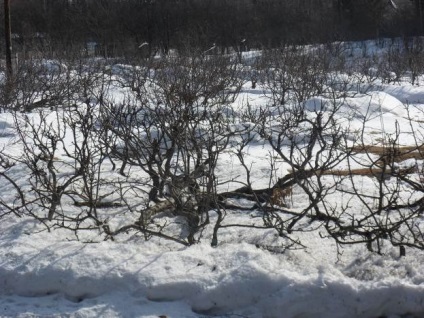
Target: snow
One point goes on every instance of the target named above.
(51, 274)
(43, 276)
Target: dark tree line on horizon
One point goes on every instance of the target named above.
(120, 27)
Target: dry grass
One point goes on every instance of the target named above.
(280, 196)
(386, 156)
(371, 172)
(397, 154)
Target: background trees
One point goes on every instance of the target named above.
(119, 27)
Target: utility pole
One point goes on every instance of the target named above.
(8, 37)
(420, 10)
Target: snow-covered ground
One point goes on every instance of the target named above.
(52, 274)
(42, 275)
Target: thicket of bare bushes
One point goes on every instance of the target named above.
(116, 148)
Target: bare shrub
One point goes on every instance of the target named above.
(174, 128)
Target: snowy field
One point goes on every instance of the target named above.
(248, 274)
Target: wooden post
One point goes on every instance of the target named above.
(420, 10)
(7, 35)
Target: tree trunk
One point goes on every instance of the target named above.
(7, 31)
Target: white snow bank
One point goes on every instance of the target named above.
(42, 276)
(6, 125)
(406, 93)
(360, 106)
(380, 114)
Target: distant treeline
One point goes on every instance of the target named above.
(116, 27)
